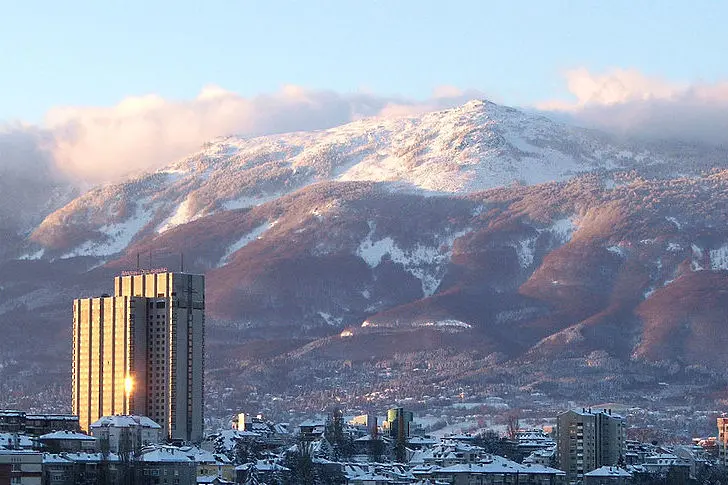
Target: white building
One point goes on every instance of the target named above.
(126, 433)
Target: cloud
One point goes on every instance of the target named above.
(29, 180)
(630, 103)
(99, 144)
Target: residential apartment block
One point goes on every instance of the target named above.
(587, 440)
(141, 351)
(723, 440)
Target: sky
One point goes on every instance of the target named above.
(83, 71)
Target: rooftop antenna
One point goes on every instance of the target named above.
(138, 262)
(150, 259)
(181, 262)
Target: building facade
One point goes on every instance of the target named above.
(587, 440)
(36, 424)
(125, 434)
(398, 423)
(723, 440)
(141, 351)
(22, 467)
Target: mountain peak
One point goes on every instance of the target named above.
(476, 146)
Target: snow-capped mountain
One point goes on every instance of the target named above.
(477, 146)
(500, 234)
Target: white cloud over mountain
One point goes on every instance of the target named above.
(146, 132)
(629, 102)
(101, 144)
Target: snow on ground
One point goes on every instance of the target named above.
(426, 263)
(674, 247)
(245, 202)
(697, 262)
(182, 215)
(331, 320)
(36, 255)
(526, 250)
(256, 233)
(446, 323)
(719, 257)
(563, 229)
(618, 250)
(674, 221)
(117, 235)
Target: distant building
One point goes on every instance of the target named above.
(367, 421)
(210, 465)
(723, 441)
(17, 441)
(125, 433)
(266, 471)
(67, 441)
(498, 471)
(588, 440)
(82, 468)
(608, 475)
(36, 424)
(312, 429)
(398, 423)
(141, 352)
(21, 467)
(165, 464)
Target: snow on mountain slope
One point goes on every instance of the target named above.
(470, 148)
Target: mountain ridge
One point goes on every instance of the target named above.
(365, 242)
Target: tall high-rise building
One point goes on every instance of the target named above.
(141, 351)
(723, 440)
(587, 440)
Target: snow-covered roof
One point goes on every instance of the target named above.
(10, 440)
(66, 435)
(228, 437)
(165, 454)
(125, 421)
(65, 458)
(50, 458)
(312, 423)
(423, 440)
(264, 466)
(500, 465)
(608, 471)
(18, 452)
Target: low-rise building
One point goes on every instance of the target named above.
(164, 464)
(22, 467)
(36, 424)
(210, 464)
(266, 471)
(67, 441)
(499, 471)
(607, 475)
(16, 441)
(125, 433)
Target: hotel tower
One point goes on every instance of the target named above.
(141, 351)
